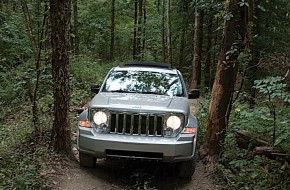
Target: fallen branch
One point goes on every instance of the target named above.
(245, 140)
(271, 152)
(260, 145)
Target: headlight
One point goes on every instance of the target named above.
(100, 120)
(173, 122)
(100, 117)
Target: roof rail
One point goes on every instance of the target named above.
(148, 64)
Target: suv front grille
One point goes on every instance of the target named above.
(136, 124)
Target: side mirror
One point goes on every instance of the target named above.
(193, 94)
(95, 88)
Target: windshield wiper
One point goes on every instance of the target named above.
(122, 91)
(158, 93)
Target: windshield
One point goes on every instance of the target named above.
(145, 82)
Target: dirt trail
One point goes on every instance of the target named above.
(127, 174)
(120, 174)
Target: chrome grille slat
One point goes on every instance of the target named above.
(147, 125)
(136, 124)
(132, 124)
(124, 123)
(117, 123)
(155, 125)
(139, 124)
(162, 131)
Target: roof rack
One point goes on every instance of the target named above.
(148, 64)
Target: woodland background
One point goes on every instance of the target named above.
(236, 52)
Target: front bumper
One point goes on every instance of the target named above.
(175, 149)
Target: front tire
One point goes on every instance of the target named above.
(87, 160)
(186, 169)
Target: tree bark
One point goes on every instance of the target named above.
(144, 30)
(162, 31)
(222, 88)
(215, 51)
(76, 28)
(196, 65)
(253, 63)
(112, 30)
(169, 48)
(183, 32)
(60, 23)
(36, 48)
(139, 30)
(135, 30)
(29, 28)
(207, 70)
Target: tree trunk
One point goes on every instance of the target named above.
(222, 89)
(169, 48)
(29, 28)
(183, 32)
(215, 52)
(36, 48)
(253, 64)
(139, 30)
(60, 23)
(200, 45)
(76, 28)
(144, 30)
(158, 6)
(207, 70)
(196, 65)
(112, 30)
(135, 29)
(162, 32)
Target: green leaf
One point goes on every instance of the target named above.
(262, 8)
(228, 16)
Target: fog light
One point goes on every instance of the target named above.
(103, 128)
(168, 131)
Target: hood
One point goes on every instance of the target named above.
(131, 101)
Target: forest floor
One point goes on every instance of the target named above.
(122, 174)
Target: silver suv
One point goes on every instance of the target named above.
(141, 111)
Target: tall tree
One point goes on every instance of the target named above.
(112, 30)
(196, 65)
(60, 23)
(144, 30)
(163, 31)
(135, 30)
(252, 68)
(139, 30)
(169, 45)
(207, 69)
(30, 31)
(223, 86)
(36, 48)
(184, 26)
(76, 28)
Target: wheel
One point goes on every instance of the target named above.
(87, 160)
(186, 169)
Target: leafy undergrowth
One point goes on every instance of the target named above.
(241, 169)
(26, 162)
(29, 164)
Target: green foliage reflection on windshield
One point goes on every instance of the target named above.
(145, 82)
